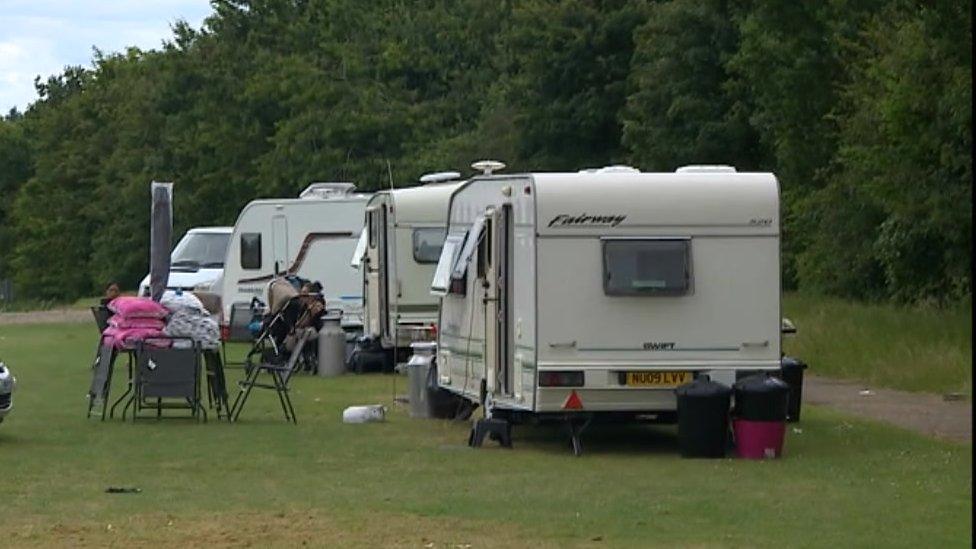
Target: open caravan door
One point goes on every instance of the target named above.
(376, 275)
(495, 264)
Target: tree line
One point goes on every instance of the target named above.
(862, 109)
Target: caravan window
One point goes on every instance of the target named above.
(470, 245)
(373, 220)
(360, 251)
(646, 267)
(251, 251)
(442, 274)
(427, 244)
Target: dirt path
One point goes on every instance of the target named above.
(925, 413)
(47, 317)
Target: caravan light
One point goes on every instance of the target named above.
(561, 379)
(573, 402)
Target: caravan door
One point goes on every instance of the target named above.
(376, 271)
(496, 259)
(279, 243)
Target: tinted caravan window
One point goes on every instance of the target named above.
(442, 274)
(470, 245)
(646, 267)
(251, 251)
(360, 251)
(427, 244)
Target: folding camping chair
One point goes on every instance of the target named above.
(280, 376)
(216, 383)
(101, 315)
(101, 378)
(171, 373)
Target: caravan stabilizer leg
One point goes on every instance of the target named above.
(576, 427)
(497, 428)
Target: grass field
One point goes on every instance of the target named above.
(915, 349)
(45, 305)
(414, 483)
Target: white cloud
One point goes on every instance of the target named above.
(41, 37)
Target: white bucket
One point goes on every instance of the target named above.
(364, 414)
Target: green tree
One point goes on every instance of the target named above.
(680, 110)
(15, 169)
(52, 211)
(905, 143)
(564, 79)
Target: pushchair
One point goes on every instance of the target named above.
(280, 348)
(287, 313)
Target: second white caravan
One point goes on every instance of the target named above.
(312, 237)
(400, 246)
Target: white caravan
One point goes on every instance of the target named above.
(399, 249)
(197, 261)
(580, 294)
(312, 236)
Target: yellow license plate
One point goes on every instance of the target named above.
(657, 379)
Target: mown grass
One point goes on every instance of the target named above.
(910, 348)
(24, 305)
(414, 483)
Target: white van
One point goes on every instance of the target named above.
(197, 261)
(400, 246)
(599, 292)
(312, 236)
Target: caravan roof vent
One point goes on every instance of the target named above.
(439, 177)
(716, 168)
(488, 166)
(618, 168)
(327, 190)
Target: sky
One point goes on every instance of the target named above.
(41, 37)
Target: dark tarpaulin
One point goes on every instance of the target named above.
(160, 238)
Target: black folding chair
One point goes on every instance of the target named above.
(101, 378)
(171, 373)
(101, 314)
(280, 376)
(216, 383)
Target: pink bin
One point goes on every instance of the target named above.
(759, 439)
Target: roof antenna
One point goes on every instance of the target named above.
(486, 167)
(389, 170)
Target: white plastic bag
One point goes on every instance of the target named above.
(364, 414)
